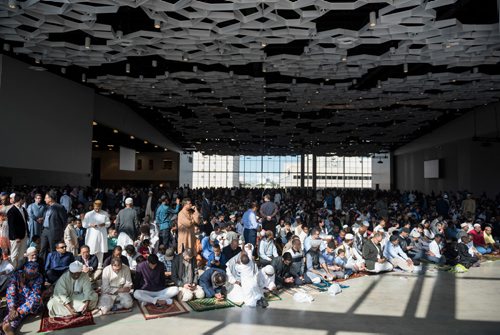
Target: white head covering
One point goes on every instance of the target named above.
(366, 223)
(477, 225)
(75, 267)
(30, 250)
(349, 236)
(12, 195)
(415, 234)
(268, 270)
(129, 201)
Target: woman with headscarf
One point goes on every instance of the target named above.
(24, 296)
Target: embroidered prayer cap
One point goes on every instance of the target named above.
(76, 267)
(129, 201)
(349, 236)
(268, 270)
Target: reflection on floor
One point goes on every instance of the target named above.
(395, 303)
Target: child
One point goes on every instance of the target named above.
(112, 239)
(35, 243)
(145, 248)
(341, 261)
(214, 258)
(70, 237)
(80, 232)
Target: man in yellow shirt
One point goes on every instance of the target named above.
(489, 240)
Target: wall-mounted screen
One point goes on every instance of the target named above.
(127, 159)
(431, 169)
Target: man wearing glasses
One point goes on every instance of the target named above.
(58, 262)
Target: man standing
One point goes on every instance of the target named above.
(127, 223)
(164, 216)
(36, 212)
(250, 223)
(54, 223)
(17, 218)
(268, 212)
(66, 201)
(96, 222)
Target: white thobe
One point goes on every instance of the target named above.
(96, 237)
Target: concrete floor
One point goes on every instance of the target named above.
(434, 303)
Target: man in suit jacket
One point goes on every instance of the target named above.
(373, 254)
(54, 224)
(17, 218)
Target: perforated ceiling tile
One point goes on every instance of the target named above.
(273, 76)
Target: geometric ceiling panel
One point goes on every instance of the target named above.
(276, 76)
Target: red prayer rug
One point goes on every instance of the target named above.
(57, 323)
(151, 311)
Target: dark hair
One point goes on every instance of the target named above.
(331, 244)
(35, 237)
(152, 259)
(129, 249)
(82, 247)
(244, 259)
(140, 259)
(118, 248)
(52, 194)
(287, 256)
(219, 278)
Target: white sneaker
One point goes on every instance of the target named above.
(169, 301)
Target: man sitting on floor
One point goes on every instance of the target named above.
(116, 253)
(89, 263)
(116, 286)
(73, 293)
(396, 256)
(372, 253)
(212, 281)
(266, 278)
(24, 296)
(282, 270)
(434, 254)
(316, 269)
(58, 262)
(151, 283)
(185, 276)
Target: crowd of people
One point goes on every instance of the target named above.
(76, 250)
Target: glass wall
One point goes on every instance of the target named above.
(280, 171)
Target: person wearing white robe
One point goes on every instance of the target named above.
(247, 290)
(96, 222)
(73, 293)
(116, 286)
(266, 278)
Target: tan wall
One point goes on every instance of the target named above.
(110, 162)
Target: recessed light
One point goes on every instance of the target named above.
(132, 137)
(115, 131)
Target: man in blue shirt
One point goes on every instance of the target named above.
(58, 262)
(250, 224)
(396, 256)
(164, 216)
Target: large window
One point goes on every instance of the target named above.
(281, 171)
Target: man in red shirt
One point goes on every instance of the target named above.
(477, 235)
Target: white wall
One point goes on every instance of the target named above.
(186, 169)
(46, 120)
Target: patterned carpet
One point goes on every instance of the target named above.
(51, 324)
(151, 311)
(208, 304)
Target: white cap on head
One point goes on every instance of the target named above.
(415, 234)
(345, 226)
(349, 236)
(464, 224)
(366, 223)
(232, 216)
(75, 267)
(315, 243)
(268, 270)
(12, 195)
(477, 225)
(30, 250)
(129, 201)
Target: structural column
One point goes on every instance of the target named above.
(314, 173)
(302, 169)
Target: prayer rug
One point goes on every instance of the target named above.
(271, 296)
(151, 311)
(491, 257)
(307, 288)
(57, 323)
(208, 304)
(353, 276)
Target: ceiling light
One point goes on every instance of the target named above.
(379, 84)
(94, 123)
(132, 137)
(157, 24)
(87, 42)
(94, 141)
(115, 131)
(145, 142)
(263, 44)
(127, 68)
(405, 68)
(37, 60)
(84, 77)
(344, 58)
(12, 4)
(185, 57)
(110, 145)
(165, 149)
(63, 70)
(154, 63)
(373, 19)
(156, 146)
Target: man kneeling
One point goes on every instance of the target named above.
(73, 294)
(115, 289)
(151, 279)
(185, 276)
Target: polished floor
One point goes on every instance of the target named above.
(432, 303)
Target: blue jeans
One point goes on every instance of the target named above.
(166, 238)
(483, 250)
(250, 236)
(441, 260)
